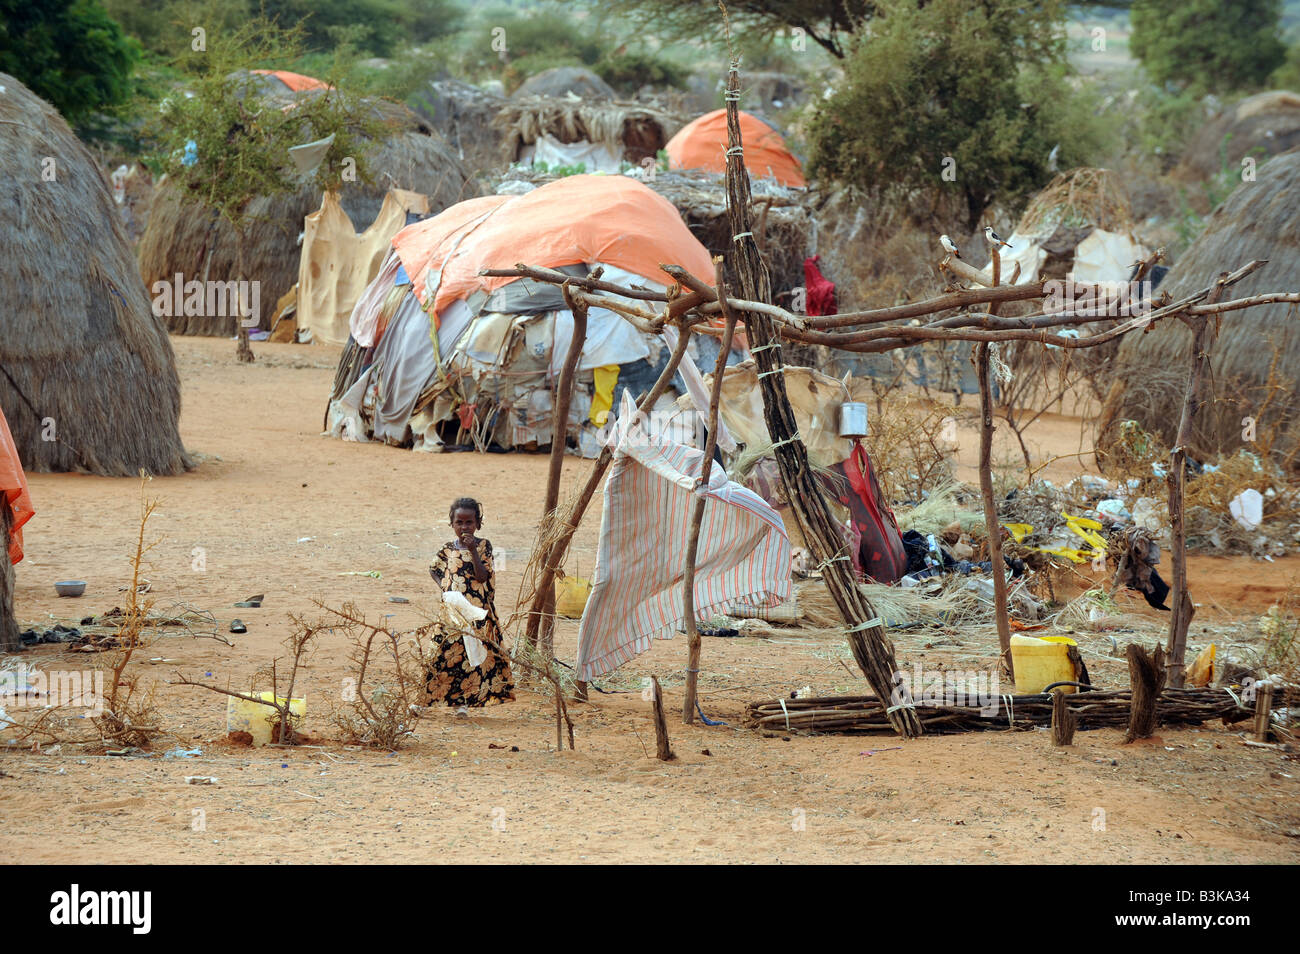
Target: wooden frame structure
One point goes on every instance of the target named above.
(692, 303)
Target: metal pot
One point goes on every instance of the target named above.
(853, 419)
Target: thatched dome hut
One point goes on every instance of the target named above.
(560, 81)
(465, 115)
(1256, 359)
(1262, 126)
(88, 378)
(414, 157)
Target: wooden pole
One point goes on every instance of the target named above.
(697, 514)
(9, 640)
(663, 751)
(871, 648)
(559, 432)
(1063, 721)
(992, 525)
(1263, 711)
(555, 556)
(1146, 673)
(1203, 335)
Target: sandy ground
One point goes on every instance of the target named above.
(277, 509)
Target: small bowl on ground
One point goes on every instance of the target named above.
(70, 587)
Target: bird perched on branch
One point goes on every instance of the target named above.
(994, 238)
(949, 247)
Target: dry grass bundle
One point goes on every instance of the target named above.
(1281, 627)
(944, 503)
(947, 601)
(913, 446)
(631, 130)
(185, 238)
(89, 380)
(1078, 198)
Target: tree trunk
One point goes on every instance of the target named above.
(663, 751)
(9, 641)
(1063, 720)
(1146, 673)
(872, 650)
(243, 352)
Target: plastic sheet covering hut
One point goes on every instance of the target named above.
(1256, 359)
(338, 262)
(180, 234)
(702, 144)
(87, 376)
(482, 371)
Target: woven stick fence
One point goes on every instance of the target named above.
(1100, 709)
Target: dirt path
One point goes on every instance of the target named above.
(277, 509)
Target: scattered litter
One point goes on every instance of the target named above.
(305, 539)
(398, 599)
(1247, 508)
(237, 626)
(892, 748)
(180, 753)
(200, 779)
(373, 574)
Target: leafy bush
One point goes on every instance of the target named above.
(1207, 45)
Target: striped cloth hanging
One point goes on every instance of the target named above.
(637, 584)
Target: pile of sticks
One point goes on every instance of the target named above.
(1109, 709)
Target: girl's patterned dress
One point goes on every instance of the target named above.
(452, 680)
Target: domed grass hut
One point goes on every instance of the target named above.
(87, 376)
(184, 238)
(1256, 358)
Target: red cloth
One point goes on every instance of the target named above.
(819, 289)
(880, 556)
(13, 490)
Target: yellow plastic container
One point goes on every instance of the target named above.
(255, 719)
(1041, 662)
(571, 594)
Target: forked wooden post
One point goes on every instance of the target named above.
(697, 514)
(663, 750)
(1063, 721)
(1203, 334)
(1146, 673)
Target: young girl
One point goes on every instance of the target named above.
(465, 564)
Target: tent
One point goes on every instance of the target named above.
(87, 376)
(283, 81)
(601, 135)
(702, 143)
(338, 262)
(484, 368)
(181, 234)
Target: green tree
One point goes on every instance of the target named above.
(69, 52)
(222, 144)
(1208, 45)
(955, 97)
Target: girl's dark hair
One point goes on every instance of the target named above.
(465, 503)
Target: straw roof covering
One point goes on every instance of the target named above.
(633, 130)
(1263, 125)
(465, 115)
(414, 157)
(1080, 198)
(1260, 220)
(84, 359)
(560, 81)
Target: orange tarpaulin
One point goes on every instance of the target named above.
(295, 81)
(702, 144)
(614, 220)
(13, 490)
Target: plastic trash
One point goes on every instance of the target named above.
(1247, 508)
(182, 753)
(1114, 510)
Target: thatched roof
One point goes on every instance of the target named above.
(1264, 125)
(84, 359)
(1260, 220)
(632, 130)
(177, 238)
(560, 81)
(465, 115)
